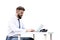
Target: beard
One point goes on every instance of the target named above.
(19, 16)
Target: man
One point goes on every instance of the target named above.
(16, 26)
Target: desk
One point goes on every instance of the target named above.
(34, 33)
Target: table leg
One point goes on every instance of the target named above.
(50, 36)
(19, 36)
(34, 36)
(45, 36)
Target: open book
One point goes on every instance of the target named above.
(39, 28)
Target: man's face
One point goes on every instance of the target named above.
(19, 13)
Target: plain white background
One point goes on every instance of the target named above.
(46, 12)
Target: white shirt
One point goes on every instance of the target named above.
(14, 26)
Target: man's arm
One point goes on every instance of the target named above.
(14, 27)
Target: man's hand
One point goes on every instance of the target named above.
(30, 30)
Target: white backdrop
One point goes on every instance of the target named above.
(46, 12)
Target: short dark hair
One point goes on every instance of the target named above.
(20, 8)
